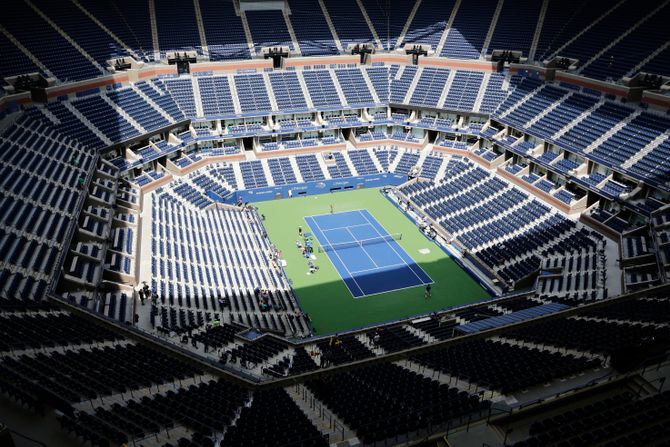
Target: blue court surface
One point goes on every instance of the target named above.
(369, 261)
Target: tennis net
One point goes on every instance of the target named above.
(360, 243)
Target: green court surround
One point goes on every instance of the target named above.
(324, 295)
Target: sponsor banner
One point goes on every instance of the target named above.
(311, 188)
(215, 197)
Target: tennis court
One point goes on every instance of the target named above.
(366, 256)
(324, 295)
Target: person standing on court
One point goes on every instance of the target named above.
(428, 294)
(299, 231)
(331, 208)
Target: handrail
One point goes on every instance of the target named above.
(429, 430)
(248, 379)
(72, 228)
(323, 411)
(603, 380)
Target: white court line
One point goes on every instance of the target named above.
(387, 243)
(394, 250)
(390, 290)
(348, 226)
(335, 214)
(381, 268)
(351, 274)
(338, 257)
(362, 248)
